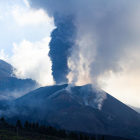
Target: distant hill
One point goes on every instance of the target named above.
(135, 108)
(6, 69)
(10, 85)
(65, 109)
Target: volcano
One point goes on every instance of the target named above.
(75, 110)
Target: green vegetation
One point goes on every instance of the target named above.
(7, 135)
(34, 131)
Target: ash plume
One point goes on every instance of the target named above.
(106, 30)
(62, 40)
(107, 33)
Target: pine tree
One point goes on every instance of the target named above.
(81, 136)
(73, 135)
(26, 125)
(18, 124)
(33, 127)
(86, 137)
(2, 120)
(102, 138)
(93, 138)
(37, 126)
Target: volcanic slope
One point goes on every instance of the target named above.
(67, 109)
(10, 85)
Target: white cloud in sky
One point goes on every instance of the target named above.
(25, 16)
(19, 22)
(22, 43)
(26, 3)
(3, 56)
(32, 61)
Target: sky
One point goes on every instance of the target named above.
(25, 35)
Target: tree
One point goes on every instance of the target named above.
(93, 138)
(62, 133)
(18, 124)
(33, 126)
(82, 137)
(2, 120)
(26, 125)
(86, 137)
(102, 138)
(73, 135)
(37, 127)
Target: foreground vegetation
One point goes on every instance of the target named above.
(34, 131)
(7, 135)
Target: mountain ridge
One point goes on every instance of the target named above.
(6, 69)
(71, 113)
(135, 108)
(11, 86)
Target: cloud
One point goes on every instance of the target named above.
(15, 28)
(124, 87)
(3, 56)
(27, 28)
(125, 84)
(108, 35)
(25, 16)
(105, 31)
(26, 3)
(31, 61)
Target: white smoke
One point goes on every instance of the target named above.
(106, 31)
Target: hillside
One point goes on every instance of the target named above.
(11, 86)
(67, 110)
(5, 69)
(135, 108)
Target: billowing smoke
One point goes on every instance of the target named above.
(107, 33)
(63, 39)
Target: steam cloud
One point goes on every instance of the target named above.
(63, 39)
(106, 33)
(105, 30)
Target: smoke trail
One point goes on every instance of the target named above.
(63, 39)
